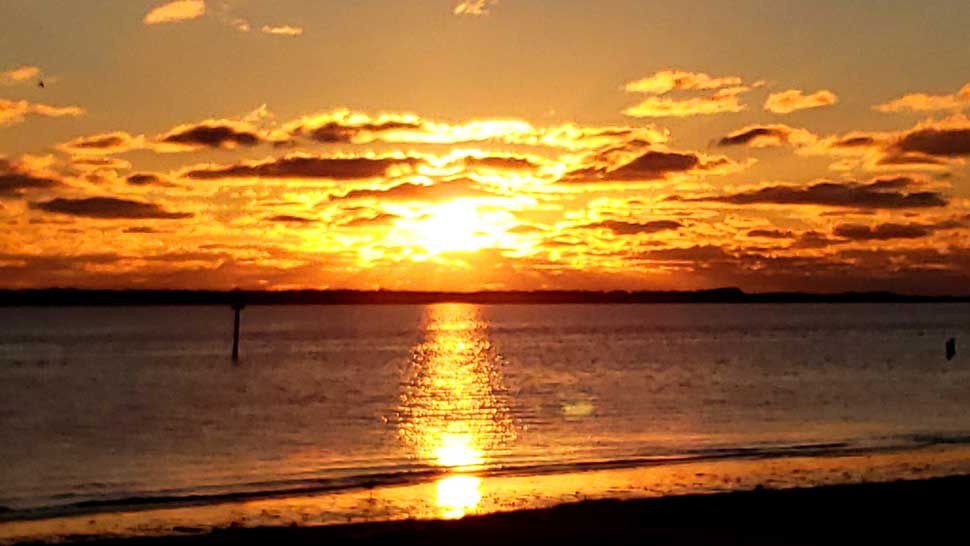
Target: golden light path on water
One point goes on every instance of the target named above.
(453, 413)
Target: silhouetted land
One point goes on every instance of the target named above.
(912, 512)
(70, 297)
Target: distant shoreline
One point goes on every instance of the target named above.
(67, 297)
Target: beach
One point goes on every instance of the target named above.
(919, 512)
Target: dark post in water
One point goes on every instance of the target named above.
(951, 348)
(237, 305)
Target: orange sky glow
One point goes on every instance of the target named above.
(221, 144)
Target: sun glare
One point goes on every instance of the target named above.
(455, 226)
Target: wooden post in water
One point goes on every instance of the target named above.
(237, 305)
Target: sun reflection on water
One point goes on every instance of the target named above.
(453, 412)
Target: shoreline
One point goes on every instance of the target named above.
(907, 488)
(814, 515)
(71, 297)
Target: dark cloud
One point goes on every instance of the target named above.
(108, 208)
(943, 142)
(148, 179)
(881, 232)
(336, 168)
(500, 163)
(652, 165)
(142, 230)
(697, 253)
(13, 183)
(440, 191)
(213, 136)
(620, 227)
(854, 142)
(336, 132)
(291, 219)
(101, 142)
(813, 239)
(896, 158)
(770, 233)
(881, 194)
(752, 133)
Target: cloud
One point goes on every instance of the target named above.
(19, 75)
(696, 253)
(936, 141)
(932, 144)
(791, 100)
(922, 102)
(149, 179)
(499, 163)
(473, 7)
(880, 194)
(652, 165)
(305, 166)
(666, 81)
(282, 30)
(382, 219)
(144, 230)
(343, 126)
(440, 191)
(291, 219)
(722, 101)
(15, 111)
(108, 208)
(725, 96)
(346, 127)
(770, 234)
(881, 232)
(95, 163)
(212, 134)
(177, 10)
(619, 227)
(762, 136)
(15, 181)
(103, 144)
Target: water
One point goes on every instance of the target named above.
(108, 408)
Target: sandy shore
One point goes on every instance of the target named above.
(918, 512)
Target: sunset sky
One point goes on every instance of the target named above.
(485, 144)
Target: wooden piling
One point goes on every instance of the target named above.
(237, 305)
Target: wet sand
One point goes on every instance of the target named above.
(919, 512)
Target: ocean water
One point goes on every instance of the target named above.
(105, 409)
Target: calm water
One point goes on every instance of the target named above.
(100, 406)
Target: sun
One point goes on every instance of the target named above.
(455, 226)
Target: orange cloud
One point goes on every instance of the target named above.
(922, 102)
(791, 100)
(666, 81)
(15, 111)
(473, 7)
(283, 30)
(177, 10)
(660, 107)
(725, 96)
(19, 75)
(104, 144)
